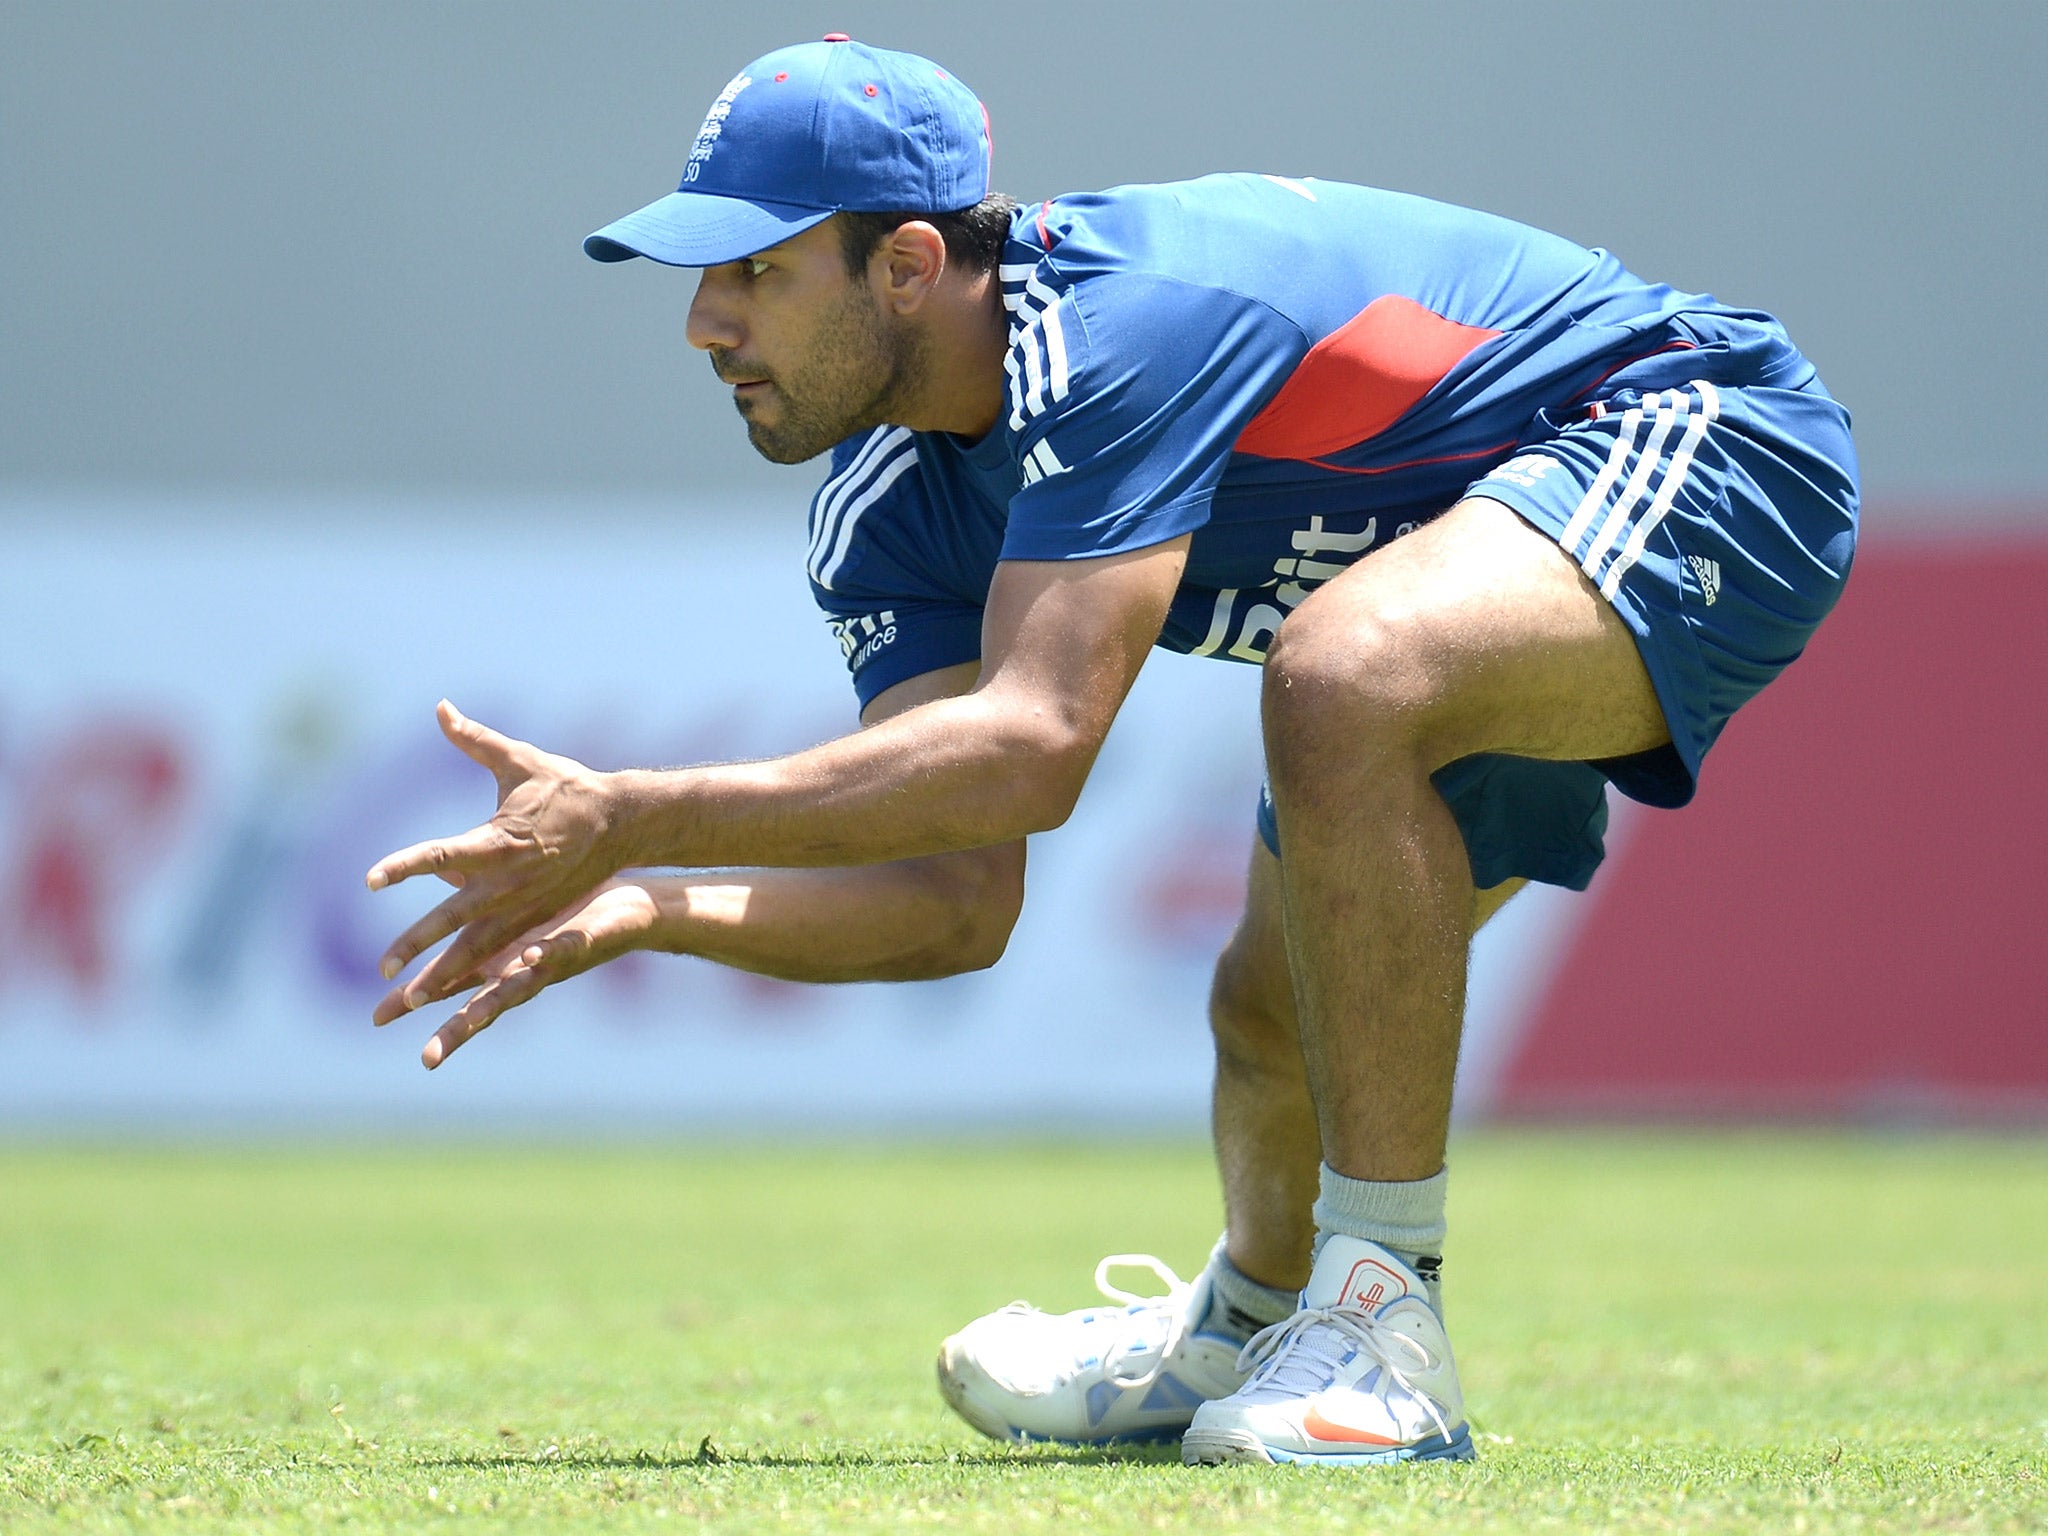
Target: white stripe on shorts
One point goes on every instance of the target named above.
(1670, 406)
(1596, 498)
(1651, 487)
(1681, 461)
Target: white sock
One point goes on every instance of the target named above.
(1405, 1218)
(1241, 1306)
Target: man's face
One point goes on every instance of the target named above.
(810, 353)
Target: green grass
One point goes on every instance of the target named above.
(1656, 1333)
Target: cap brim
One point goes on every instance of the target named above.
(700, 229)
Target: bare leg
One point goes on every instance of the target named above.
(1472, 634)
(1267, 1148)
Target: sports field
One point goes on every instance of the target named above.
(1656, 1333)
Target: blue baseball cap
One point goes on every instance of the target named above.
(806, 132)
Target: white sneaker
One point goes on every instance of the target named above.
(1100, 1375)
(1362, 1374)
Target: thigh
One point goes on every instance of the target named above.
(1484, 636)
(1719, 520)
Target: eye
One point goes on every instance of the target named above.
(756, 267)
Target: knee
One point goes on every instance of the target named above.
(1353, 677)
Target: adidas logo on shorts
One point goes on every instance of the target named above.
(1709, 573)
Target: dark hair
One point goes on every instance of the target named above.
(974, 236)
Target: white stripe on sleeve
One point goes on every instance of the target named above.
(891, 472)
(1055, 350)
(835, 490)
(1013, 369)
(833, 504)
(1034, 370)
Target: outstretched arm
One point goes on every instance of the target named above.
(903, 921)
(1062, 643)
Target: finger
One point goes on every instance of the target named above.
(560, 955)
(406, 996)
(391, 1005)
(453, 912)
(437, 856)
(438, 980)
(409, 995)
(464, 960)
(478, 742)
(485, 1008)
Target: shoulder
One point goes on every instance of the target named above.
(893, 522)
(899, 561)
(871, 469)
(1102, 352)
(1140, 277)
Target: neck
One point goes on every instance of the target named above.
(960, 387)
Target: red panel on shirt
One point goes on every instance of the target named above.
(1361, 379)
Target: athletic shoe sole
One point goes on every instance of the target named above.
(954, 1388)
(1220, 1447)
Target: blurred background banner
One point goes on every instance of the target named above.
(1847, 922)
(238, 725)
(312, 412)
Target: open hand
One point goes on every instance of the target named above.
(602, 926)
(548, 846)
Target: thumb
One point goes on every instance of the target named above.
(479, 743)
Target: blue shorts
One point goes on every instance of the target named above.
(1715, 509)
(1522, 819)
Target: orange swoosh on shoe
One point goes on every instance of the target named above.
(1323, 1429)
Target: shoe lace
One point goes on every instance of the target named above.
(1302, 1353)
(1172, 1304)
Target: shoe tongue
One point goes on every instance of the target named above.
(1350, 1272)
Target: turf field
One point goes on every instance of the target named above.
(1657, 1333)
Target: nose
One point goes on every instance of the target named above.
(713, 321)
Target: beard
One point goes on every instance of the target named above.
(855, 372)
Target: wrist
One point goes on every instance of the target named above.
(629, 803)
(688, 910)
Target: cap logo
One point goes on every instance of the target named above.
(714, 126)
(841, 126)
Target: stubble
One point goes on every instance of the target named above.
(857, 372)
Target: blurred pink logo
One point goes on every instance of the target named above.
(98, 812)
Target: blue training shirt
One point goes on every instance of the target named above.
(1293, 371)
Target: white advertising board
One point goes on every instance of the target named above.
(212, 721)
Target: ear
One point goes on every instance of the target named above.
(908, 266)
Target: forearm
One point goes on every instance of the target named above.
(902, 921)
(1062, 641)
(956, 773)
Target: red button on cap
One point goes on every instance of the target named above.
(837, 37)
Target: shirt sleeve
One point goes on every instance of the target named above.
(895, 617)
(1126, 393)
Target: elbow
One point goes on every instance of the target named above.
(1049, 778)
(978, 896)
